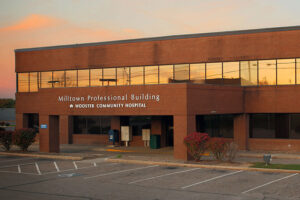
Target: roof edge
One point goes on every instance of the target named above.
(170, 37)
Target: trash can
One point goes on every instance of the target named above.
(154, 141)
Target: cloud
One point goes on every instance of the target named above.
(32, 22)
(40, 30)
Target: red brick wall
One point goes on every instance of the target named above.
(283, 44)
(285, 145)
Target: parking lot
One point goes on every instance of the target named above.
(31, 178)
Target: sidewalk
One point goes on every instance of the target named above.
(79, 152)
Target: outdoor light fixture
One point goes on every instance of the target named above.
(53, 81)
(108, 80)
(267, 159)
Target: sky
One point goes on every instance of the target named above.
(38, 23)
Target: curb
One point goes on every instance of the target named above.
(274, 156)
(113, 160)
(61, 157)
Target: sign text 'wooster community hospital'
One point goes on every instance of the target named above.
(110, 101)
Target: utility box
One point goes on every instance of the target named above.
(155, 141)
(146, 137)
(126, 134)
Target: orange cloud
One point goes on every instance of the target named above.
(38, 30)
(31, 22)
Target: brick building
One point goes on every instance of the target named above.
(241, 85)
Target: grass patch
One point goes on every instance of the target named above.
(276, 166)
(119, 156)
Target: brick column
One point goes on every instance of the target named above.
(183, 125)
(241, 131)
(156, 129)
(44, 134)
(115, 123)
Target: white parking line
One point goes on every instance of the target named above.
(121, 171)
(38, 169)
(19, 168)
(211, 179)
(146, 179)
(269, 183)
(56, 166)
(75, 165)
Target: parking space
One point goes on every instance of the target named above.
(99, 179)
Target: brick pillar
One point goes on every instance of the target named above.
(19, 121)
(241, 131)
(64, 136)
(44, 134)
(115, 123)
(156, 129)
(183, 125)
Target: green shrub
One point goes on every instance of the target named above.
(6, 139)
(196, 144)
(218, 147)
(24, 138)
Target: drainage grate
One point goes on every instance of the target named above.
(171, 167)
(69, 175)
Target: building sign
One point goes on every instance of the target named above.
(110, 101)
(43, 126)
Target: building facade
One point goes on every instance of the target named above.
(241, 85)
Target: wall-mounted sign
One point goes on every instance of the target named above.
(110, 101)
(43, 125)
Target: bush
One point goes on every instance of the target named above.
(24, 138)
(6, 139)
(218, 147)
(196, 144)
(232, 150)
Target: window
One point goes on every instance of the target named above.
(109, 76)
(215, 125)
(84, 78)
(181, 72)
(71, 78)
(33, 86)
(197, 73)
(58, 79)
(151, 75)
(136, 123)
(214, 73)
(33, 121)
(267, 72)
(23, 82)
(269, 125)
(137, 75)
(285, 71)
(96, 75)
(295, 126)
(123, 76)
(165, 74)
(298, 71)
(248, 73)
(46, 79)
(231, 73)
(91, 125)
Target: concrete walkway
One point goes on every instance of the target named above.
(78, 152)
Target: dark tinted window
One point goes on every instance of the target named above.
(216, 125)
(91, 124)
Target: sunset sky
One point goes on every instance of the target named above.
(37, 23)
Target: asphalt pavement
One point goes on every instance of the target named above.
(34, 178)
